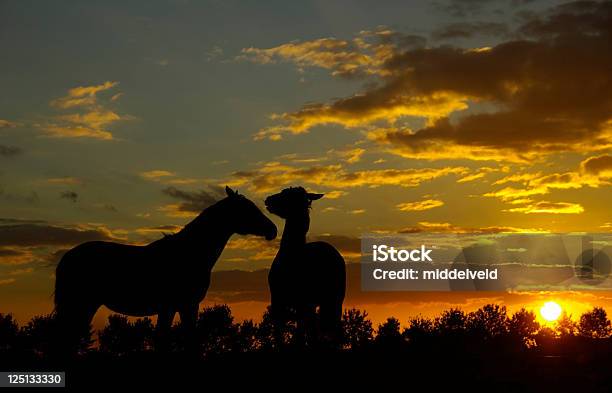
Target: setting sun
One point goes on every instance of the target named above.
(550, 311)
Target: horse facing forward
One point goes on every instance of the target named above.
(167, 276)
(305, 275)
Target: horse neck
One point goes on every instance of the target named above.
(294, 233)
(208, 234)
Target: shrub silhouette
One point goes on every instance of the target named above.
(216, 330)
(122, 337)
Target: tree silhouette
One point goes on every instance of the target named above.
(488, 322)
(451, 324)
(594, 324)
(388, 335)
(217, 334)
(523, 327)
(419, 330)
(273, 335)
(565, 326)
(9, 332)
(357, 329)
(245, 339)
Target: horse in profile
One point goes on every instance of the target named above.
(304, 275)
(167, 276)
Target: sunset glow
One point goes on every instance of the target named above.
(550, 311)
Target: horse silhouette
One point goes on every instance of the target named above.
(304, 275)
(167, 276)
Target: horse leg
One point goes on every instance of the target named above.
(189, 315)
(72, 328)
(162, 330)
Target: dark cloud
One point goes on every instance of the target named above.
(469, 29)
(578, 18)
(31, 234)
(597, 165)
(69, 195)
(194, 201)
(550, 91)
(10, 151)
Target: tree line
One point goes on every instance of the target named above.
(488, 328)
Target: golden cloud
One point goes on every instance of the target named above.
(420, 205)
(156, 174)
(445, 227)
(91, 121)
(550, 207)
(536, 103)
(274, 175)
(82, 95)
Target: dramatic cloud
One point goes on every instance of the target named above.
(273, 176)
(91, 119)
(528, 98)
(362, 56)
(425, 204)
(191, 202)
(593, 172)
(10, 151)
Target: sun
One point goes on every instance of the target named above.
(550, 311)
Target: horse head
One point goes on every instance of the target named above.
(291, 201)
(245, 218)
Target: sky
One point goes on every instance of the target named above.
(121, 121)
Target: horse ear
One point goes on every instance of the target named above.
(314, 197)
(230, 192)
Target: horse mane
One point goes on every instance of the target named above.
(203, 217)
